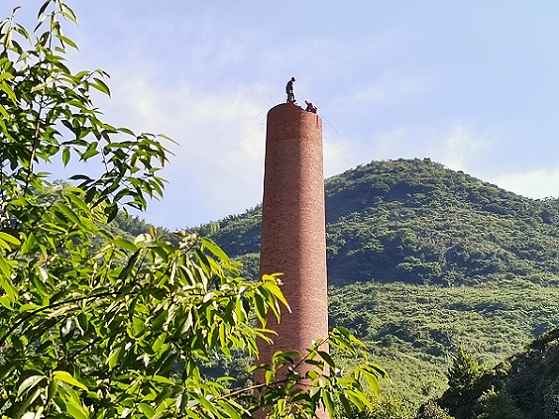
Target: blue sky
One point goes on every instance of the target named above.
(473, 85)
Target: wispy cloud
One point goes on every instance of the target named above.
(537, 183)
(218, 164)
(458, 148)
(391, 88)
(340, 154)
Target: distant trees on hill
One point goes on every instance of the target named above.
(417, 222)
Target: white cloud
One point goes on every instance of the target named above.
(537, 183)
(460, 147)
(340, 154)
(218, 165)
(390, 89)
(391, 144)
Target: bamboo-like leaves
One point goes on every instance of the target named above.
(94, 325)
(66, 377)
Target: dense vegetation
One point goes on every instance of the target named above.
(524, 386)
(94, 325)
(416, 222)
(414, 330)
(423, 260)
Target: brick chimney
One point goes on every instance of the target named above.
(293, 227)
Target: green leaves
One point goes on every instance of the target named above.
(5, 282)
(66, 377)
(29, 383)
(95, 325)
(327, 386)
(7, 239)
(101, 86)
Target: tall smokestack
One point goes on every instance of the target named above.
(293, 226)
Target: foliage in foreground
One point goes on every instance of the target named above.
(94, 325)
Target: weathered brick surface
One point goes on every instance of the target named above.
(293, 226)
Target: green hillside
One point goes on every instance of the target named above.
(423, 260)
(414, 330)
(416, 222)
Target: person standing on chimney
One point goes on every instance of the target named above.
(289, 90)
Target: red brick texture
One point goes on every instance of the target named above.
(293, 226)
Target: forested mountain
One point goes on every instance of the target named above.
(417, 222)
(422, 261)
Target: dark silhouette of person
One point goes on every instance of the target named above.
(289, 90)
(310, 107)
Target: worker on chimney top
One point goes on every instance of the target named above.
(310, 107)
(289, 90)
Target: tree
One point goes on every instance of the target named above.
(464, 372)
(93, 325)
(463, 376)
(385, 408)
(497, 405)
(432, 410)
